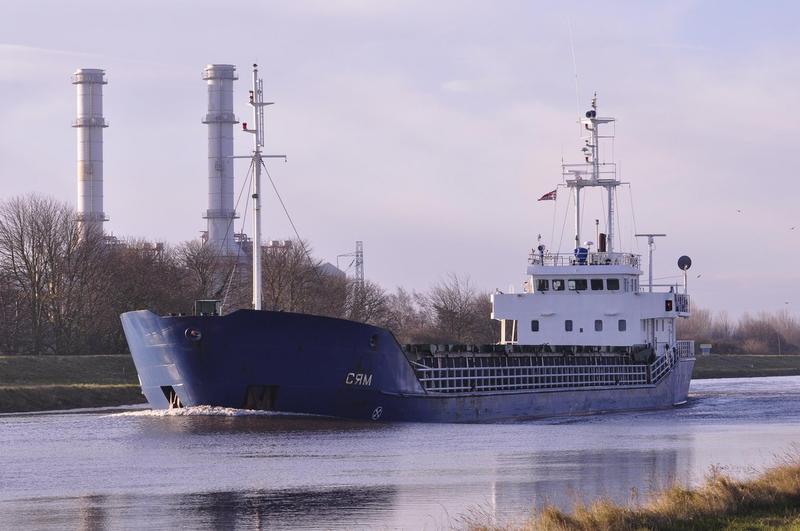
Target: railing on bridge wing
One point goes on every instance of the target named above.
(682, 303)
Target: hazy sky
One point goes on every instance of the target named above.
(429, 129)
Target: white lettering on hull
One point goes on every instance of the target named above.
(358, 378)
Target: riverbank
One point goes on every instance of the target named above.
(769, 501)
(745, 366)
(41, 383)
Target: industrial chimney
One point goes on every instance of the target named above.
(90, 123)
(220, 120)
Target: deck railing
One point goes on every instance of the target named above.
(682, 303)
(531, 373)
(684, 349)
(661, 366)
(592, 258)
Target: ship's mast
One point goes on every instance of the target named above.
(257, 161)
(257, 102)
(593, 173)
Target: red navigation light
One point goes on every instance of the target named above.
(244, 126)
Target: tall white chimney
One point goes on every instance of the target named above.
(220, 120)
(90, 124)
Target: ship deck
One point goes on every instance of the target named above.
(454, 370)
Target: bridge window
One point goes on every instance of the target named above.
(542, 285)
(612, 284)
(558, 285)
(535, 325)
(598, 325)
(597, 284)
(576, 284)
(568, 325)
(622, 325)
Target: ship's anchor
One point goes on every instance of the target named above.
(376, 414)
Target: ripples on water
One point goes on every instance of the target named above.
(221, 468)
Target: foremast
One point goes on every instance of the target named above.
(257, 102)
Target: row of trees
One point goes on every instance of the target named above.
(763, 333)
(62, 290)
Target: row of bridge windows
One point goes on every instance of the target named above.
(583, 284)
(622, 325)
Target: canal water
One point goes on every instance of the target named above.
(223, 469)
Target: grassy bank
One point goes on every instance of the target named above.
(770, 501)
(742, 366)
(38, 383)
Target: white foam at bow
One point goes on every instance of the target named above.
(204, 411)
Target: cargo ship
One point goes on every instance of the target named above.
(582, 336)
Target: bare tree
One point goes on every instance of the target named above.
(290, 277)
(54, 274)
(79, 287)
(753, 334)
(328, 295)
(206, 278)
(459, 312)
(366, 303)
(407, 319)
(10, 317)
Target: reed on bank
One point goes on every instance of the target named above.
(769, 501)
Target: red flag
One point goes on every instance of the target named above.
(549, 196)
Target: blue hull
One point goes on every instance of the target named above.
(309, 364)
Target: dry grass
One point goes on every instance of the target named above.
(720, 503)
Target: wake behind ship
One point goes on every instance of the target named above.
(581, 337)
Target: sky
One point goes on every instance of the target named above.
(430, 129)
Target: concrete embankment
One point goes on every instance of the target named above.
(40, 383)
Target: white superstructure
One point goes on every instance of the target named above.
(220, 120)
(590, 300)
(89, 124)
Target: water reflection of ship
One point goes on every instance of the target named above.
(299, 509)
(158, 426)
(563, 478)
(250, 509)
